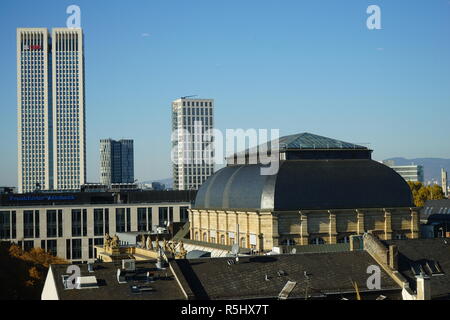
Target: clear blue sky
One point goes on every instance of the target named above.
(295, 65)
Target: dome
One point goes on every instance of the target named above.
(306, 185)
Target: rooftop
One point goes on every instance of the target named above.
(162, 288)
(420, 252)
(317, 275)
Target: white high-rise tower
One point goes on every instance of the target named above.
(69, 131)
(191, 121)
(51, 118)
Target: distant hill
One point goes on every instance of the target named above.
(431, 166)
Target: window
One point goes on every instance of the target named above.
(184, 214)
(163, 216)
(76, 223)
(36, 224)
(345, 239)
(205, 237)
(76, 249)
(142, 219)
(222, 239)
(28, 245)
(28, 224)
(243, 242)
(84, 222)
(128, 220)
(60, 223)
(98, 222)
(317, 241)
(120, 219)
(51, 247)
(51, 224)
(5, 226)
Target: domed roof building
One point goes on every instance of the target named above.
(323, 191)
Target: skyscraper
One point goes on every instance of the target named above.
(116, 161)
(51, 109)
(34, 109)
(191, 120)
(444, 182)
(69, 131)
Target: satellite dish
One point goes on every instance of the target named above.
(294, 251)
(235, 249)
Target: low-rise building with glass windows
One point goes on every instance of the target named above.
(69, 225)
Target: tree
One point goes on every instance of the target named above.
(423, 193)
(22, 273)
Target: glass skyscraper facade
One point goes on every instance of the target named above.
(116, 161)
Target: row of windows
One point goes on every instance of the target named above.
(54, 221)
(197, 104)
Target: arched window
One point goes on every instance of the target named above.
(317, 241)
(400, 236)
(205, 237)
(288, 242)
(222, 239)
(345, 239)
(243, 242)
(196, 236)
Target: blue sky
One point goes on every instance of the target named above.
(295, 65)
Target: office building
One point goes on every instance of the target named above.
(116, 161)
(413, 173)
(444, 182)
(69, 224)
(51, 109)
(191, 120)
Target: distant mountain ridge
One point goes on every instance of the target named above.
(431, 166)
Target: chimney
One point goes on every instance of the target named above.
(423, 288)
(393, 257)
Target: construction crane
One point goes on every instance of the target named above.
(189, 96)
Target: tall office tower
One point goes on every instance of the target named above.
(444, 182)
(69, 131)
(34, 107)
(191, 119)
(116, 161)
(51, 121)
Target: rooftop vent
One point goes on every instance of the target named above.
(281, 273)
(287, 289)
(121, 276)
(140, 289)
(129, 264)
(89, 282)
(231, 262)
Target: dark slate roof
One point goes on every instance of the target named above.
(435, 208)
(329, 274)
(421, 251)
(110, 289)
(306, 184)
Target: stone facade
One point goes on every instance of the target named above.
(263, 230)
